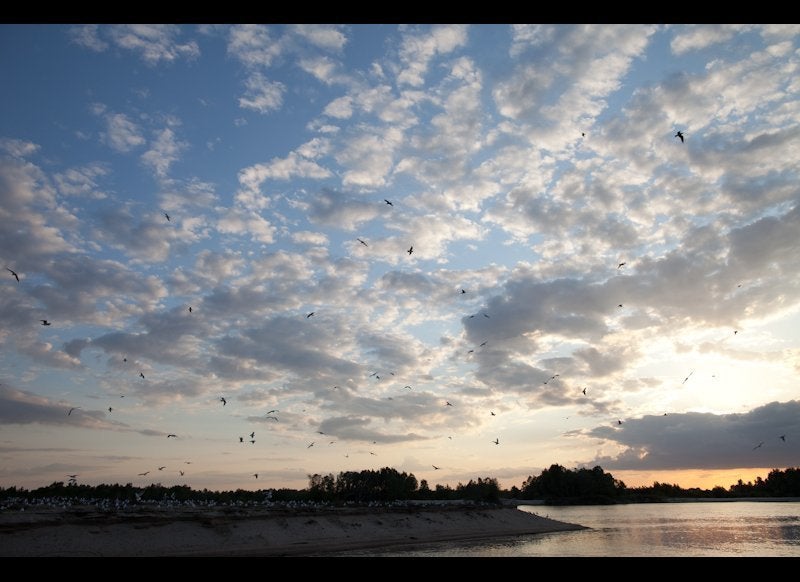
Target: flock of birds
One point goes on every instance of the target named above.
(271, 414)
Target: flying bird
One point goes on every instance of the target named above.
(141, 375)
(492, 413)
(172, 436)
(45, 322)
(496, 441)
(255, 475)
(486, 315)
(143, 474)
(680, 135)
(222, 399)
(621, 265)
(435, 468)
(190, 309)
(162, 468)
(181, 472)
(758, 446)
(241, 439)
(252, 441)
(362, 242)
(584, 391)
(446, 403)
(13, 273)
(110, 409)
(167, 215)
(272, 418)
(72, 476)
(310, 314)
(271, 411)
(410, 249)
(687, 377)
(387, 202)
(73, 408)
(463, 291)
(783, 437)
(309, 446)
(253, 435)
(409, 387)
(619, 422)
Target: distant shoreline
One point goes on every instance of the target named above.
(254, 532)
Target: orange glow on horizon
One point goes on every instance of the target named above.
(690, 478)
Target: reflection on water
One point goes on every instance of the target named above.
(723, 529)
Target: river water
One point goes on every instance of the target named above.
(688, 529)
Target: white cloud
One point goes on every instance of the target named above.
(122, 134)
(81, 181)
(155, 42)
(262, 95)
(694, 37)
(252, 44)
(163, 152)
(87, 35)
(295, 165)
(246, 222)
(323, 68)
(418, 50)
(325, 36)
(17, 147)
(369, 157)
(307, 237)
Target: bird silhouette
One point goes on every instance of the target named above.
(463, 291)
(167, 215)
(252, 441)
(446, 403)
(584, 391)
(410, 249)
(181, 472)
(170, 435)
(110, 409)
(486, 315)
(73, 408)
(45, 322)
(241, 439)
(190, 309)
(222, 399)
(272, 418)
(783, 437)
(621, 265)
(253, 435)
(687, 377)
(271, 411)
(73, 477)
(492, 413)
(362, 242)
(309, 446)
(162, 468)
(144, 474)
(310, 314)
(141, 375)
(387, 202)
(255, 475)
(435, 468)
(619, 422)
(680, 135)
(13, 273)
(758, 446)
(496, 441)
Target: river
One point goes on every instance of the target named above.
(686, 529)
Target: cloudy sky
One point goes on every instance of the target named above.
(341, 229)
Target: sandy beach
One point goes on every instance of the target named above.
(155, 532)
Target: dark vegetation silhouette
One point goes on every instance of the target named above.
(555, 485)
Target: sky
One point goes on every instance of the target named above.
(459, 251)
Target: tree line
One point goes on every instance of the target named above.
(554, 485)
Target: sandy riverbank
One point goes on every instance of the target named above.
(252, 532)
